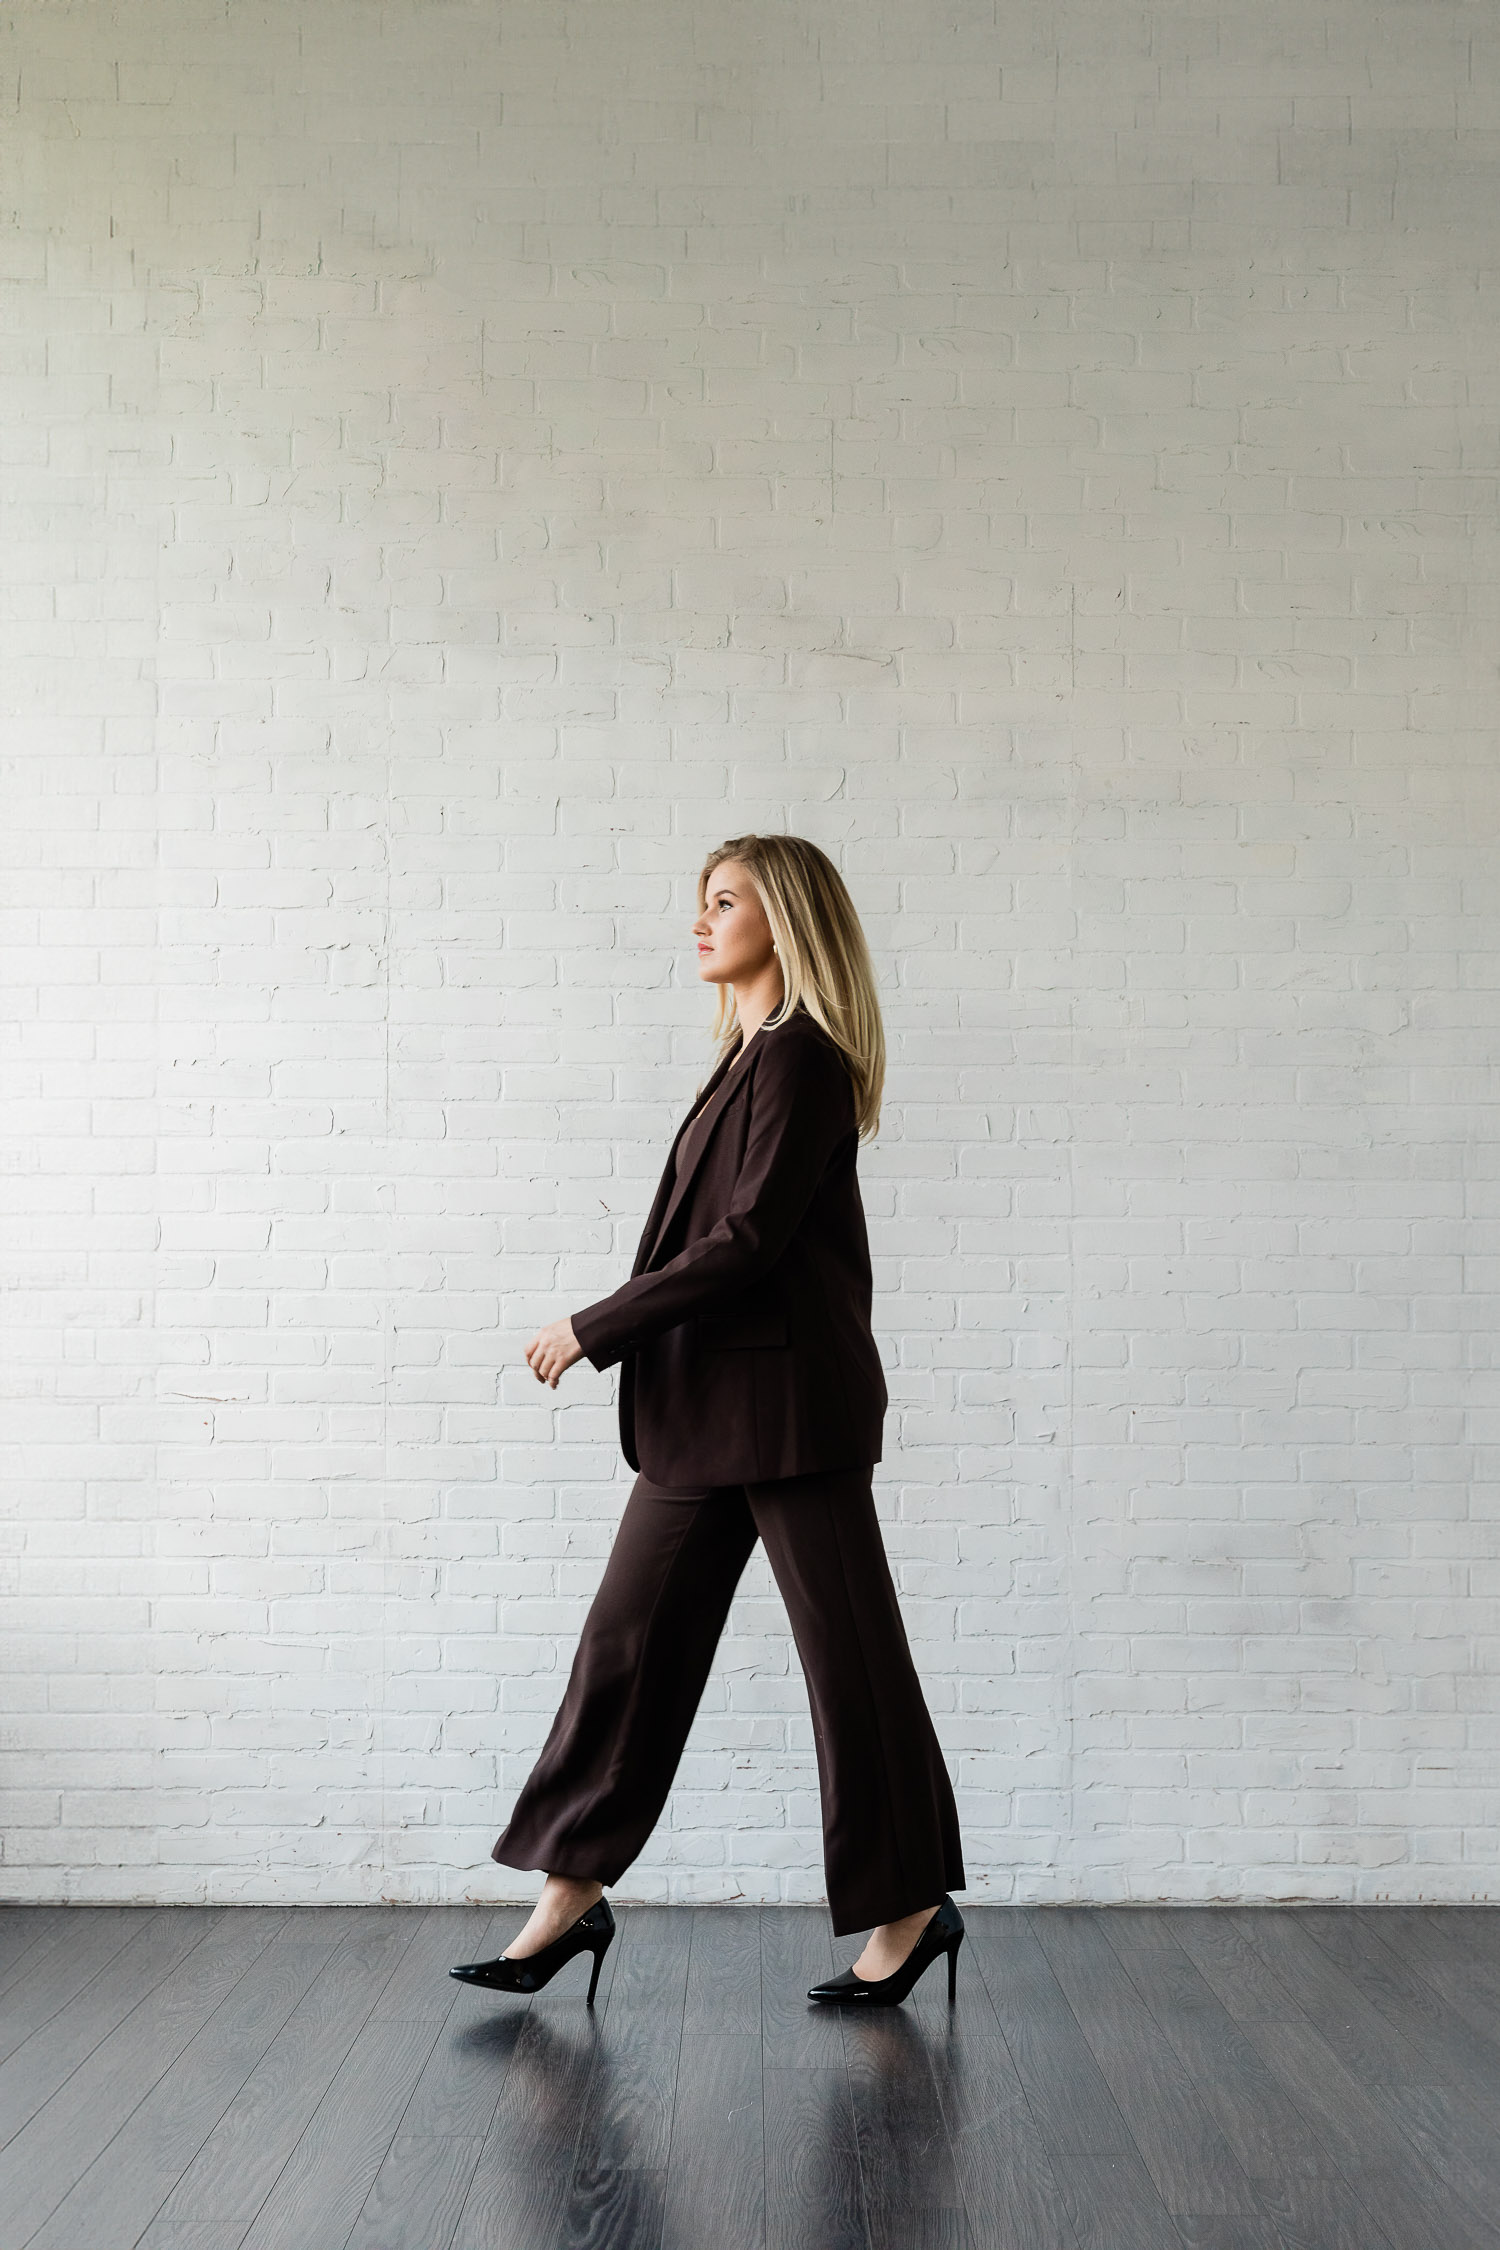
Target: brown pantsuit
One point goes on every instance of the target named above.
(890, 1829)
(751, 1405)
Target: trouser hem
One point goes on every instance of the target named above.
(889, 1906)
(552, 1863)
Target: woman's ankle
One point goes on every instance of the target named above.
(584, 1887)
(564, 1898)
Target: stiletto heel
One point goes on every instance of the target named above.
(592, 1932)
(943, 1934)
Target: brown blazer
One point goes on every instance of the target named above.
(744, 1331)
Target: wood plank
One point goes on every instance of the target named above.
(1376, 2053)
(1217, 2233)
(417, 2195)
(1066, 2090)
(1229, 1965)
(940, 2228)
(537, 2119)
(168, 2234)
(723, 1982)
(421, 1986)
(33, 2072)
(906, 2161)
(514, 2210)
(1186, 2154)
(55, 1928)
(459, 2090)
(1457, 2139)
(716, 2181)
(1474, 1931)
(88, 2109)
(118, 2194)
(223, 2097)
(627, 2120)
(1421, 2215)
(1175, 1981)
(21, 1929)
(1398, 2191)
(238, 2164)
(1433, 2101)
(1113, 2203)
(1322, 2214)
(614, 2208)
(1466, 1986)
(1350, 1941)
(333, 2166)
(796, 1951)
(1140, 1929)
(1264, 2128)
(1348, 2122)
(56, 1972)
(588, 2093)
(550, 2211)
(1009, 2187)
(814, 2199)
(1460, 2053)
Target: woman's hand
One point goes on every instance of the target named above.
(551, 1350)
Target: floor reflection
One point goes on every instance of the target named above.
(578, 2149)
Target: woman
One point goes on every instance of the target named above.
(751, 1403)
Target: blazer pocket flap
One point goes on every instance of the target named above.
(745, 1331)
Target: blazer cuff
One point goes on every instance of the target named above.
(592, 1328)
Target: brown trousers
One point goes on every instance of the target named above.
(890, 1827)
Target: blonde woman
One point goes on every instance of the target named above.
(751, 1405)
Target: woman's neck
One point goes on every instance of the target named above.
(754, 1002)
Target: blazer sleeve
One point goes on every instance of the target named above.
(801, 1106)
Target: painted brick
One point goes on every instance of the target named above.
(1046, 456)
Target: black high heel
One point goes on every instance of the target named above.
(943, 1934)
(592, 1930)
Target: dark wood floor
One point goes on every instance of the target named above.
(311, 2079)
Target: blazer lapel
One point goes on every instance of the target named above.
(662, 1215)
(652, 1226)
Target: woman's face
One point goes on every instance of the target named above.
(734, 937)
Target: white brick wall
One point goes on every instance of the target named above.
(461, 461)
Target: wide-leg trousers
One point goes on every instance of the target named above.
(890, 1826)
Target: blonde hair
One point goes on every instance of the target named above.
(825, 962)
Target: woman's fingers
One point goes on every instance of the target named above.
(552, 1350)
(547, 1355)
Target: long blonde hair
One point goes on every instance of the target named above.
(825, 962)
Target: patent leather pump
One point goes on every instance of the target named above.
(943, 1934)
(591, 1932)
